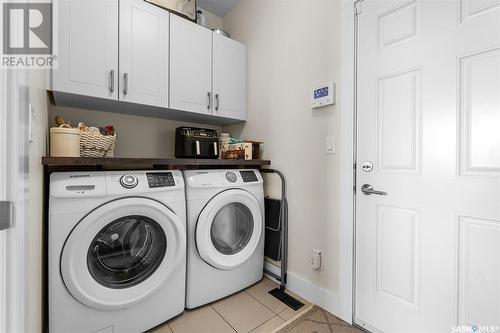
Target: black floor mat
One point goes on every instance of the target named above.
(287, 299)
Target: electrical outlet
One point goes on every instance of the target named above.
(316, 259)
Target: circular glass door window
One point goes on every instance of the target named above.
(232, 228)
(126, 252)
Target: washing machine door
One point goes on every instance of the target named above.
(229, 229)
(122, 252)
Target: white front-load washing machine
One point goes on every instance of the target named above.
(225, 233)
(117, 258)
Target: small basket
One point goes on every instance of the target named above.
(97, 145)
(236, 154)
(65, 141)
(237, 151)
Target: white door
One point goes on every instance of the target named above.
(229, 229)
(229, 77)
(143, 53)
(88, 48)
(190, 66)
(428, 252)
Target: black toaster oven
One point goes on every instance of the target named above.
(191, 142)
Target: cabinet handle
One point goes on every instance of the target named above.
(112, 81)
(125, 80)
(217, 102)
(198, 148)
(209, 105)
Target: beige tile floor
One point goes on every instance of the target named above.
(251, 310)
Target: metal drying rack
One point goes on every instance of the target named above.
(280, 293)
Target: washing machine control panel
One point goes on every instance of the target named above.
(163, 179)
(129, 181)
(249, 176)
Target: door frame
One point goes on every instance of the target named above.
(14, 172)
(3, 189)
(348, 158)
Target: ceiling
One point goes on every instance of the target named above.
(218, 7)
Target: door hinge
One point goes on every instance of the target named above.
(354, 176)
(6, 214)
(358, 7)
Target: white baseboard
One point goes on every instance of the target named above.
(315, 294)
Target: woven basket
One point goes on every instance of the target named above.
(97, 145)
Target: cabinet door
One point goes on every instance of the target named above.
(190, 66)
(143, 53)
(88, 48)
(229, 77)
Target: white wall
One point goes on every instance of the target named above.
(213, 21)
(37, 149)
(293, 45)
(137, 136)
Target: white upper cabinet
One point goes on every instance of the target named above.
(144, 52)
(190, 66)
(136, 53)
(88, 48)
(229, 78)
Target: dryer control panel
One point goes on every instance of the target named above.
(164, 179)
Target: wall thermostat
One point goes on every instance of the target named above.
(323, 95)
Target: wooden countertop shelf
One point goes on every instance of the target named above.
(52, 164)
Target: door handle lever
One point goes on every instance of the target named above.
(367, 189)
(6, 214)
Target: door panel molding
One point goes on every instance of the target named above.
(399, 150)
(397, 238)
(399, 24)
(466, 12)
(479, 108)
(479, 245)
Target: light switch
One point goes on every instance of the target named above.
(330, 145)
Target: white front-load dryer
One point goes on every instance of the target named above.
(117, 257)
(225, 233)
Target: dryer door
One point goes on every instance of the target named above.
(229, 229)
(121, 252)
